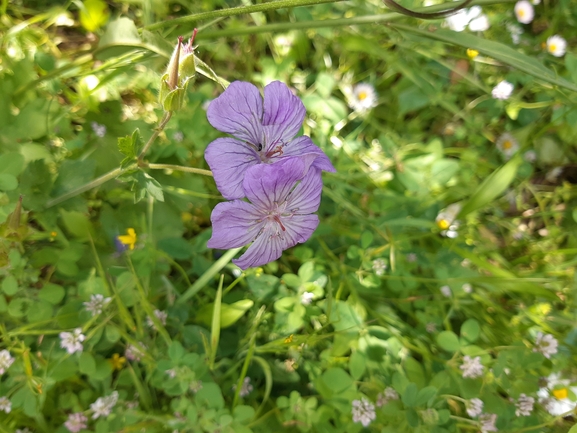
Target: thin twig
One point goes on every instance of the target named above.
(179, 168)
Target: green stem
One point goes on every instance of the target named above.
(179, 168)
(210, 15)
(339, 22)
(93, 184)
(155, 135)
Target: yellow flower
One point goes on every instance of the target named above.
(129, 239)
(117, 361)
(472, 53)
(560, 394)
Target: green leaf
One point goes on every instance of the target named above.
(51, 293)
(448, 341)
(8, 182)
(11, 163)
(129, 147)
(86, 364)
(357, 365)
(77, 224)
(39, 311)
(19, 307)
(366, 239)
(112, 334)
(175, 351)
(496, 50)
(229, 313)
(470, 330)
(492, 187)
(337, 380)
(425, 395)
(10, 285)
(409, 396)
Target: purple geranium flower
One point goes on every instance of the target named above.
(263, 134)
(277, 217)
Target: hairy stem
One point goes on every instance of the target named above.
(155, 135)
(210, 15)
(179, 168)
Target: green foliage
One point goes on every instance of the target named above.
(99, 138)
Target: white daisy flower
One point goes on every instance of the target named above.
(503, 90)
(556, 45)
(363, 411)
(555, 396)
(472, 367)
(479, 24)
(507, 145)
(458, 21)
(524, 12)
(530, 156)
(363, 97)
(447, 220)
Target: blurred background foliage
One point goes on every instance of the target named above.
(75, 77)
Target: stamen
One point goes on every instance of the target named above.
(277, 219)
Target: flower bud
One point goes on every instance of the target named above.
(181, 69)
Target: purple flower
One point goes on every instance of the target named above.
(264, 134)
(277, 217)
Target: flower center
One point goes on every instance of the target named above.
(521, 13)
(363, 96)
(443, 224)
(276, 151)
(552, 47)
(560, 394)
(507, 145)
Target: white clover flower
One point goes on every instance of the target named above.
(467, 288)
(524, 405)
(472, 367)
(307, 298)
(458, 21)
(103, 406)
(530, 156)
(555, 396)
(96, 304)
(246, 387)
(411, 257)
(6, 361)
(363, 411)
(171, 373)
(160, 315)
(516, 31)
(76, 422)
(524, 12)
(474, 407)
(135, 353)
(502, 91)
(379, 266)
(387, 395)
(556, 45)
(178, 136)
(446, 291)
(546, 344)
(553, 174)
(195, 386)
(488, 421)
(363, 97)
(431, 327)
(72, 341)
(507, 145)
(99, 130)
(5, 405)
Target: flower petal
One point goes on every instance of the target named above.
(238, 111)
(283, 113)
(229, 159)
(267, 185)
(234, 224)
(302, 146)
(264, 249)
(306, 197)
